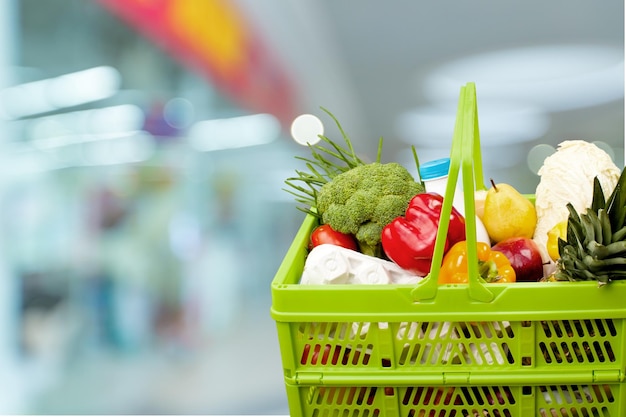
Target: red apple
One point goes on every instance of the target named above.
(525, 258)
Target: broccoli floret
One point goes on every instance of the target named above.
(364, 199)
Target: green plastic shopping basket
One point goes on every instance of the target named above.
(477, 349)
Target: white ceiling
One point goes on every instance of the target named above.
(369, 62)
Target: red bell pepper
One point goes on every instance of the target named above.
(409, 241)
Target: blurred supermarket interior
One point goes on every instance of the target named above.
(145, 145)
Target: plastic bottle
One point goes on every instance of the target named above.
(434, 174)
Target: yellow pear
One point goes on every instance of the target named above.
(507, 213)
(479, 202)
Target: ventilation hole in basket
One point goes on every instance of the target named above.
(526, 361)
(323, 354)
(546, 328)
(424, 354)
(416, 395)
(336, 355)
(404, 354)
(386, 363)
(329, 395)
(475, 351)
(526, 323)
(351, 394)
(413, 331)
(319, 399)
(601, 330)
(588, 352)
(305, 354)
(544, 351)
(557, 354)
(488, 329)
(402, 332)
(577, 352)
(315, 354)
(368, 354)
(340, 394)
(509, 395)
(598, 396)
(558, 330)
(372, 395)
(409, 354)
(432, 355)
(467, 399)
(450, 397)
(597, 347)
(343, 331)
(312, 330)
(322, 330)
(609, 351)
(611, 326)
(608, 393)
(566, 352)
(361, 394)
(580, 332)
(590, 328)
(479, 396)
(551, 353)
(433, 330)
(508, 354)
(363, 330)
(356, 353)
(406, 398)
(465, 330)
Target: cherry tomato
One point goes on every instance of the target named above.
(326, 234)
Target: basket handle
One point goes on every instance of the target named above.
(465, 155)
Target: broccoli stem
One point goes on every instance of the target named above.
(372, 250)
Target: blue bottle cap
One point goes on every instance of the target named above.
(435, 169)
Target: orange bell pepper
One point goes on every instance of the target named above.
(493, 266)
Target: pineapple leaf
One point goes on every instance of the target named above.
(598, 200)
(575, 229)
(616, 204)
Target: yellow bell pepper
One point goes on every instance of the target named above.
(493, 266)
(552, 245)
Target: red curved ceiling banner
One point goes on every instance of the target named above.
(213, 38)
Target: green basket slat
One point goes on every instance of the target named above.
(602, 400)
(553, 348)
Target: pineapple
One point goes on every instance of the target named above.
(595, 245)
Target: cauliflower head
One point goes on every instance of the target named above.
(364, 199)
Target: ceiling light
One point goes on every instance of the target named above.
(234, 132)
(553, 77)
(500, 123)
(121, 118)
(55, 93)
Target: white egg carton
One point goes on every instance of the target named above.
(332, 264)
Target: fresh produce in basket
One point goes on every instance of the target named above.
(350, 195)
(332, 264)
(363, 200)
(567, 176)
(326, 234)
(409, 240)
(552, 245)
(595, 246)
(493, 266)
(525, 257)
(507, 213)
